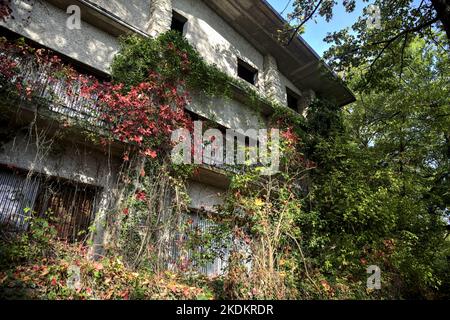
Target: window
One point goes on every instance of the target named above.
(17, 193)
(292, 99)
(178, 22)
(215, 257)
(247, 72)
(71, 205)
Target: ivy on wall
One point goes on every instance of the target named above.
(171, 56)
(143, 104)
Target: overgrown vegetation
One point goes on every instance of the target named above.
(367, 185)
(36, 265)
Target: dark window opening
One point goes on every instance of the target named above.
(69, 206)
(292, 100)
(247, 72)
(178, 22)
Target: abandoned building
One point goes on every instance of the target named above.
(239, 36)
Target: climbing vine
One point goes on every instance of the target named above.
(140, 108)
(175, 59)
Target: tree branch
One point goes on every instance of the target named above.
(297, 29)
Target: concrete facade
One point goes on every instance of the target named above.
(160, 17)
(204, 197)
(272, 81)
(46, 24)
(215, 39)
(135, 12)
(66, 160)
(70, 161)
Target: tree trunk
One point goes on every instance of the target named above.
(442, 8)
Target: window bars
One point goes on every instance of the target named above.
(69, 206)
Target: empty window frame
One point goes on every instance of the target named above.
(292, 99)
(247, 72)
(178, 22)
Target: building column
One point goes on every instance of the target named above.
(160, 17)
(308, 96)
(272, 81)
(100, 234)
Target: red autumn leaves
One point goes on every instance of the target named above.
(15, 56)
(144, 115)
(141, 196)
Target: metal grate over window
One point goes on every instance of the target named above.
(194, 222)
(69, 206)
(17, 193)
(221, 249)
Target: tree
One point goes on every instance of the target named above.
(429, 12)
(377, 48)
(380, 193)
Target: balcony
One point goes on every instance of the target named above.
(50, 93)
(44, 88)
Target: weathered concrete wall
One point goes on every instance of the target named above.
(70, 161)
(204, 197)
(216, 40)
(134, 12)
(66, 160)
(221, 45)
(160, 17)
(308, 96)
(273, 85)
(227, 112)
(46, 25)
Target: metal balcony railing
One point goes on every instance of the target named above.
(58, 93)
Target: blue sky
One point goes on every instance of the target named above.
(315, 32)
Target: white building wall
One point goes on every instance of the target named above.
(216, 40)
(67, 160)
(46, 24)
(133, 12)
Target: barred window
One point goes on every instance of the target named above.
(70, 206)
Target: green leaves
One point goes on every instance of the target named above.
(383, 168)
(171, 56)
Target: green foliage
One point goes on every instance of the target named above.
(175, 59)
(48, 277)
(171, 56)
(380, 193)
(375, 42)
(367, 185)
(27, 245)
